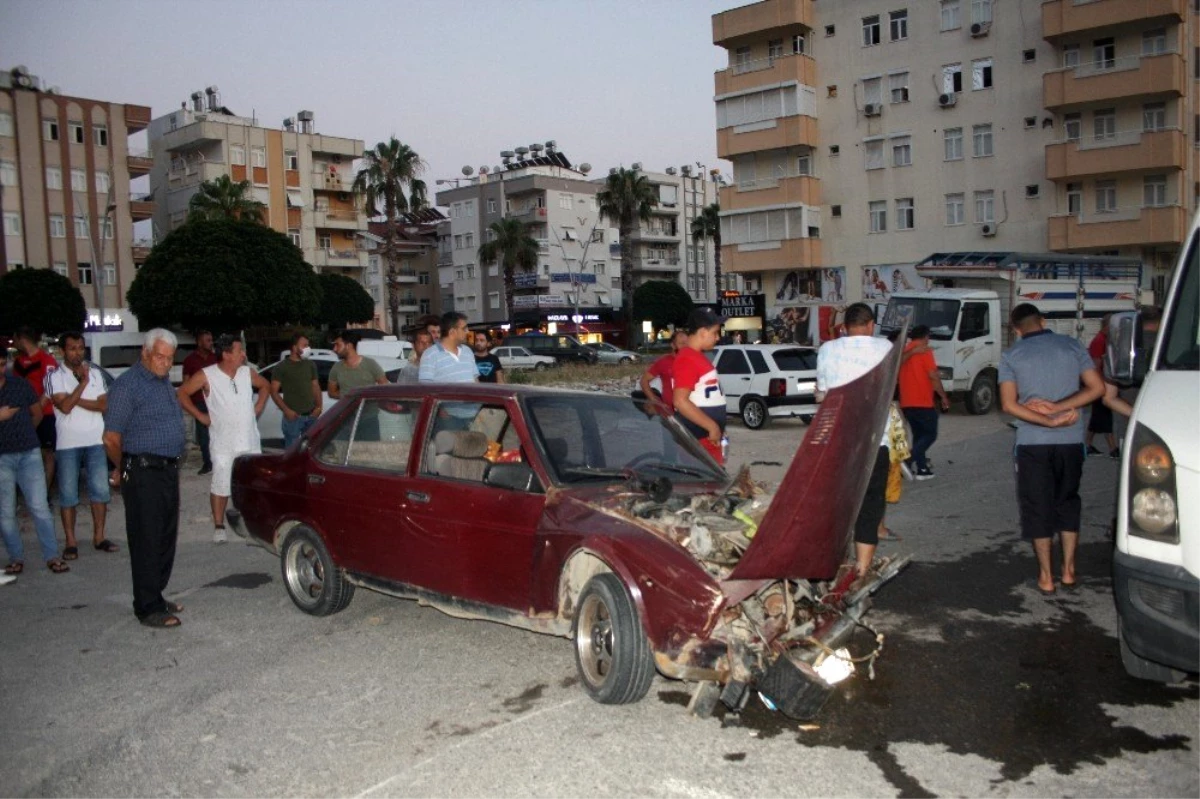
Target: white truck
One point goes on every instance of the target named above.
(967, 310)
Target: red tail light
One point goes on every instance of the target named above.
(777, 387)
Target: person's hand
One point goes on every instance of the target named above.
(1064, 418)
(714, 435)
(315, 412)
(114, 477)
(7, 412)
(288, 414)
(82, 376)
(1044, 407)
(945, 403)
(205, 420)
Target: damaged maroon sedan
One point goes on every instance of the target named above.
(590, 517)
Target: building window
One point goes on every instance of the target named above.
(981, 11)
(100, 135)
(469, 207)
(85, 273)
(1104, 53)
(469, 241)
(872, 90)
(458, 245)
(1074, 199)
(237, 155)
(799, 44)
(599, 267)
(58, 226)
(952, 78)
(493, 299)
(258, 156)
(75, 132)
(835, 149)
(325, 241)
(774, 49)
(878, 211)
(985, 207)
(804, 165)
(423, 305)
(458, 274)
(1030, 123)
(874, 154)
(6, 124)
(598, 236)
(950, 15)
(1032, 191)
(952, 138)
(1106, 196)
(564, 201)
(1104, 124)
(1154, 116)
(12, 223)
(954, 209)
(870, 30)
(49, 130)
(1070, 56)
(291, 160)
(981, 141)
(1028, 56)
(902, 151)
(106, 229)
(898, 85)
(78, 180)
(1154, 191)
(8, 173)
(830, 30)
(835, 211)
(294, 235)
(102, 183)
(1154, 41)
(423, 278)
(491, 206)
(981, 74)
(741, 57)
(905, 214)
(81, 227)
(110, 275)
(60, 268)
(899, 24)
(1072, 127)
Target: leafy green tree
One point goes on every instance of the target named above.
(343, 301)
(41, 299)
(224, 275)
(389, 170)
(662, 302)
(627, 199)
(514, 247)
(707, 225)
(223, 199)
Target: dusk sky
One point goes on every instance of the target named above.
(611, 81)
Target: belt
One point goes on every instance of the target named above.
(148, 462)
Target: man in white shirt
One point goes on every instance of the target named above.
(77, 392)
(842, 361)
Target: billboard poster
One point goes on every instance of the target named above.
(880, 282)
(811, 285)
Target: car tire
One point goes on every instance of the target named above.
(539, 367)
(754, 413)
(1143, 669)
(612, 653)
(982, 396)
(313, 581)
(626, 359)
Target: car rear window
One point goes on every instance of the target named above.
(796, 360)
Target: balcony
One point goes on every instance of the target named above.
(1065, 17)
(771, 191)
(774, 255)
(655, 234)
(140, 249)
(137, 117)
(1125, 227)
(139, 164)
(1099, 81)
(345, 259)
(405, 276)
(141, 208)
(340, 219)
(731, 28)
(774, 134)
(656, 265)
(764, 72)
(530, 214)
(324, 180)
(1125, 152)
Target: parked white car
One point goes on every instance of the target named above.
(514, 358)
(612, 354)
(765, 381)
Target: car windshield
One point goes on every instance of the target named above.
(601, 438)
(938, 315)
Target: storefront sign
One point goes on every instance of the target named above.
(567, 277)
(540, 301)
(739, 305)
(525, 280)
(111, 323)
(582, 318)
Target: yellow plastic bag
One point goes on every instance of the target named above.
(895, 483)
(899, 448)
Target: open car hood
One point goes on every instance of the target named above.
(809, 524)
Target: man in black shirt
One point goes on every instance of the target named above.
(490, 369)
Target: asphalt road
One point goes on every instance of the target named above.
(985, 687)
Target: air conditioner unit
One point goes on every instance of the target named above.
(947, 100)
(987, 231)
(980, 29)
(872, 109)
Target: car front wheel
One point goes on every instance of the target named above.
(754, 413)
(539, 367)
(313, 581)
(611, 650)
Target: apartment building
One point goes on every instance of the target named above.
(865, 136)
(579, 258)
(304, 178)
(416, 278)
(65, 194)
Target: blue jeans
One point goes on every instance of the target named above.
(295, 428)
(25, 469)
(924, 423)
(95, 461)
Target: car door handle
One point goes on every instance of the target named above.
(746, 379)
(417, 496)
(989, 342)
(316, 479)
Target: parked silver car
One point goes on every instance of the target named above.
(611, 354)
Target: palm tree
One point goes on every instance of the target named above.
(512, 244)
(388, 170)
(223, 199)
(707, 225)
(626, 199)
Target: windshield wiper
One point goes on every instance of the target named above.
(592, 471)
(674, 467)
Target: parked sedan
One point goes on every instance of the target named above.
(585, 516)
(612, 354)
(513, 358)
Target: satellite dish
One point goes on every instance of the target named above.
(585, 168)
(612, 170)
(483, 170)
(496, 168)
(466, 170)
(637, 166)
(535, 147)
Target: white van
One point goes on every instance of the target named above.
(116, 352)
(1156, 564)
(389, 347)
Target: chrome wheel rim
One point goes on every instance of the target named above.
(594, 640)
(753, 415)
(305, 573)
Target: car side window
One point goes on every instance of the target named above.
(383, 435)
(333, 451)
(733, 362)
(793, 360)
(758, 362)
(974, 321)
(467, 438)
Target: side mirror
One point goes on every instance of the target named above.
(1126, 354)
(513, 476)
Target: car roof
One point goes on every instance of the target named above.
(764, 347)
(386, 364)
(484, 391)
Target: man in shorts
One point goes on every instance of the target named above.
(1045, 378)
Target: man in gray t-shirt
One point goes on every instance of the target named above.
(1044, 379)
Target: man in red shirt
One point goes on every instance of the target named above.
(1101, 419)
(33, 363)
(699, 403)
(919, 381)
(664, 369)
(202, 357)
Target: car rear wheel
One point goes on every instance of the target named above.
(754, 413)
(611, 651)
(315, 584)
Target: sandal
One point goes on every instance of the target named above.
(71, 553)
(174, 607)
(889, 534)
(16, 567)
(57, 566)
(162, 620)
(107, 546)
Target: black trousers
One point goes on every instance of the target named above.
(152, 526)
(874, 506)
(202, 438)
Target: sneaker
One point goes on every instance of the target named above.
(925, 474)
(1092, 451)
(219, 536)
(1115, 454)
(205, 469)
